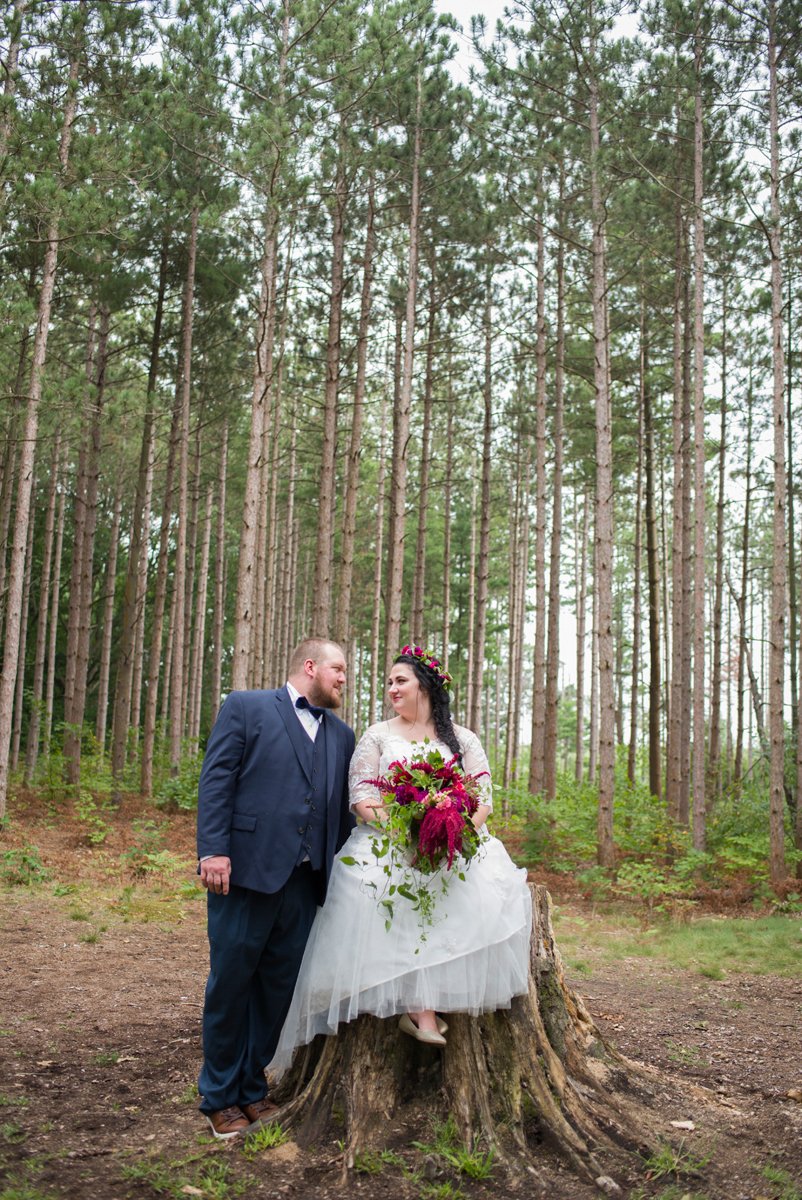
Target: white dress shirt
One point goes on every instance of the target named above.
(310, 722)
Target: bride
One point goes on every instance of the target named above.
(475, 955)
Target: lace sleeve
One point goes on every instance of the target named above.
(364, 766)
(474, 760)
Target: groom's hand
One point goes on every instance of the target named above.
(215, 873)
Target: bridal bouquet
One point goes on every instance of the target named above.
(430, 802)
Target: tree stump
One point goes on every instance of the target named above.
(518, 1080)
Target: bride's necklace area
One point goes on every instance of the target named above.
(426, 727)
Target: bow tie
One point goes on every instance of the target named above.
(316, 712)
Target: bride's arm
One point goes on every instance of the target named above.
(474, 761)
(364, 796)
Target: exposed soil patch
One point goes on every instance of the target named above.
(100, 1051)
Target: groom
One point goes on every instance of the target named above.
(272, 813)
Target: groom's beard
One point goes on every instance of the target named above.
(324, 697)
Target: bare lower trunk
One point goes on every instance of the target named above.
(715, 768)
(154, 672)
(132, 620)
(537, 752)
(246, 595)
(326, 498)
(199, 632)
(35, 723)
(603, 582)
(418, 625)
(50, 682)
(636, 593)
(483, 563)
(581, 609)
(699, 507)
(77, 709)
(16, 571)
(342, 625)
(218, 621)
(553, 651)
(19, 691)
(108, 622)
(653, 573)
(779, 546)
(374, 701)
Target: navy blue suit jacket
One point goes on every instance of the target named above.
(256, 759)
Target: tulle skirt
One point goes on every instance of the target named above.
(472, 958)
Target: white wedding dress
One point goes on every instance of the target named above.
(474, 957)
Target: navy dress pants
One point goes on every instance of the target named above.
(256, 943)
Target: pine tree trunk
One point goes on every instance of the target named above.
(154, 671)
(581, 623)
(483, 565)
(19, 691)
(603, 581)
(417, 625)
(247, 591)
(55, 592)
(674, 747)
(632, 748)
(401, 413)
(699, 625)
(536, 764)
(37, 688)
(515, 1081)
(447, 502)
(139, 631)
(686, 724)
(289, 638)
(86, 555)
(218, 620)
(653, 574)
(108, 623)
(199, 632)
(471, 633)
(343, 622)
(515, 619)
(180, 571)
(779, 547)
(16, 571)
(743, 633)
(10, 68)
(134, 594)
(374, 702)
(715, 757)
(326, 508)
(553, 653)
(79, 546)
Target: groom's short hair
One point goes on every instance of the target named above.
(310, 647)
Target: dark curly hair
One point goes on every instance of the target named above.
(438, 697)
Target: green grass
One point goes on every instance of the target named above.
(782, 1185)
(267, 1137)
(713, 948)
(446, 1145)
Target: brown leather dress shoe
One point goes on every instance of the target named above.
(228, 1122)
(260, 1110)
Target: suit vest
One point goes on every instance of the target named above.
(307, 809)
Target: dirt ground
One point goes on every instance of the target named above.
(102, 977)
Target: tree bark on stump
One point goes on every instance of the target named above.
(537, 1075)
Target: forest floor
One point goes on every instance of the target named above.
(103, 965)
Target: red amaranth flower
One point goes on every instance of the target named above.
(441, 829)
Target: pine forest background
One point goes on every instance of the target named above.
(300, 333)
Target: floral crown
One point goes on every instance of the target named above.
(428, 659)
